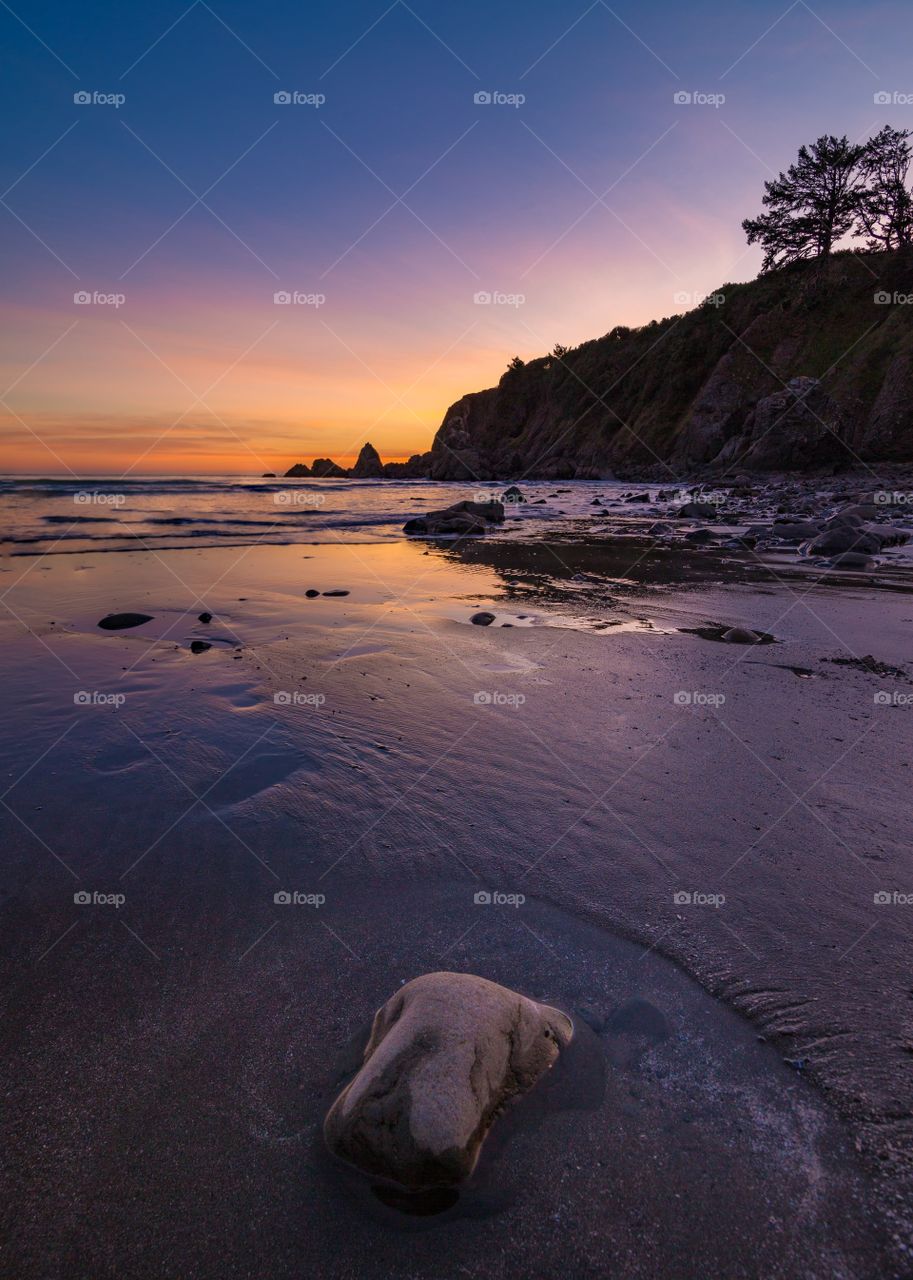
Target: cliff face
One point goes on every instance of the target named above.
(804, 368)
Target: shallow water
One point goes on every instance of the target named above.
(178, 1051)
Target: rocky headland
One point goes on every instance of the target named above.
(807, 369)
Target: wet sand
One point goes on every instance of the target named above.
(169, 1059)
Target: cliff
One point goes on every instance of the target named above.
(810, 367)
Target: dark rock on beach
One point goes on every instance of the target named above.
(461, 519)
(123, 621)
(205, 617)
(482, 619)
(199, 646)
(445, 1054)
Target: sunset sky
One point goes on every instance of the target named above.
(397, 200)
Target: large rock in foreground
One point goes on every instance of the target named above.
(444, 1056)
(462, 518)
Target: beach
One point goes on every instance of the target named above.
(220, 863)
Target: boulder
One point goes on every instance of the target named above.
(123, 621)
(513, 494)
(482, 619)
(853, 560)
(462, 518)
(740, 635)
(298, 472)
(697, 511)
(368, 465)
(842, 538)
(437, 524)
(445, 1055)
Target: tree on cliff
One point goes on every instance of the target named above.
(886, 201)
(812, 206)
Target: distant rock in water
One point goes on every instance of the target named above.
(368, 466)
(299, 471)
(268, 475)
(123, 621)
(327, 469)
(445, 1055)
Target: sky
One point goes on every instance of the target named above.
(237, 236)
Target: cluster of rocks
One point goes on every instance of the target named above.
(462, 519)
(833, 525)
(368, 466)
(445, 1055)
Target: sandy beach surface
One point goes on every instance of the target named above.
(699, 849)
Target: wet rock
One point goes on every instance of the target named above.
(311, 593)
(837, 540)
(462, 518)
(445, 1054)
(853, 560)
(700, 536)
(335, 593)
(482, 619)
(205, 617)
(123, 621)
(199, 646)
(696, 511)
(740, 635)
(513, 494)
